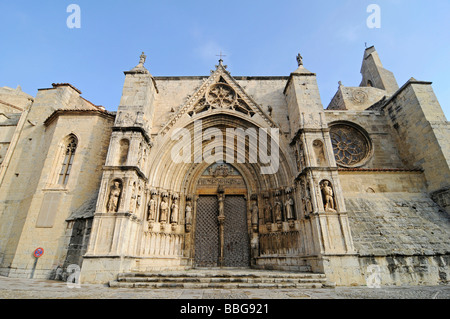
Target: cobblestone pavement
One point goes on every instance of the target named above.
(12, 288)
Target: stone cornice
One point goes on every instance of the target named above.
(134, 129)
(62, 112)
(127, 168)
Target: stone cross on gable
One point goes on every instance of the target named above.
(221, 55)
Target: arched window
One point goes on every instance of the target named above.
(70, 147)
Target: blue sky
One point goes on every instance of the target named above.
(183, 38)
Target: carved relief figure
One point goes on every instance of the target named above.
(327, 196)
(164, 209)
(220, 170)
(140, 118)
(125, 119)
(114, 196)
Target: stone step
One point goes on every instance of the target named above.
(221, 275)
(117, 284)
(220, 279)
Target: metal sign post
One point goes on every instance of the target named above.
(38, 252)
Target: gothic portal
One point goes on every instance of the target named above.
(228, 171)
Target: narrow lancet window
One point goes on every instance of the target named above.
(69, 154)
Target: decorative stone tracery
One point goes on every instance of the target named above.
(222, 96)
(351, 147)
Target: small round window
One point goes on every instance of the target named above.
(351, 146)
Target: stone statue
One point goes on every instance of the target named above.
(308, 203)
(278, 214)
(133, 198)
(138, 200)
(139, 155)
(114, 195)
(152, 208)
(267, 211)
(174, 214)
(221, 205)
(299, 59)
(142, 59)
(255, 214)
(289, 208)
(164, 210)
(327, 196)
(188, 214)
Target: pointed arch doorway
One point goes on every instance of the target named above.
(221, 220)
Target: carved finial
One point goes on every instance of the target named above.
(142, 59)
(140, 67)
(299, 59)
(340, 83)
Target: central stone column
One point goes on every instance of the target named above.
(221, 218)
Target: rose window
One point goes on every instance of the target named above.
(351, 147)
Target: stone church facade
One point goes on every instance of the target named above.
(364, 182)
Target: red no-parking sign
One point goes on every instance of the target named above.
(38, 252)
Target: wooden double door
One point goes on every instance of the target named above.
(221, 242)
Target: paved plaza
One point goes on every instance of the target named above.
(13, 288)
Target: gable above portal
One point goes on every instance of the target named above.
(212, 95)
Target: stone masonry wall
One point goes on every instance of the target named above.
(421, 132)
